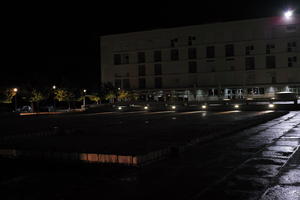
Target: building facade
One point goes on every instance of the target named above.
(233, 60)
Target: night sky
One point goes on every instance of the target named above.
(56, 43)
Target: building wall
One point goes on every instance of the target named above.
(220, 71)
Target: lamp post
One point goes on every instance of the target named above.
(54, 106)
(84, 92)
(15, 91)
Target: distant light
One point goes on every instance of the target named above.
(15, 89)
(273, 98)
(271, 105)
(119, 88)
(146, 107)
(288, 14)
(54, 87)
(84, 90)
(173, 107)
(204, 106)
(236, 106)
(119, 108)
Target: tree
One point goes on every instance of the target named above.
(110, 97)
(123, 95)
(64, 95)
(94, 98)
(35, 98)
(7, 95)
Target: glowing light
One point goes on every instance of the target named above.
(271, 105)
(15, 89)
(54, 87)
(173, 107)
(204, 107)
(288, 14)
(84, 90)
(119, 108)
(236, 106)
(146, 107)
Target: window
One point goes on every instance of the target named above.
(125, 59)
(117, 59)
(126, 84)
(141, 57)
(250, 63)
(291, 61)
(270, 62)
(291, 46)
(269, 47)
(142, 70)
(118, 83)
(142, 83)
(157, 69)
(158, 82)
(174, 54)
(249, 49)
(210, 52)
(229, 50)
(192, 53)
(173, 42)
(157, 56)
(192, 67)
(191, 39)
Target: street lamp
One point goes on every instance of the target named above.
(84, 92)
(15, 91)
(288, 14)
(54, 106)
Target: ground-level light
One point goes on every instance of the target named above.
(146, 107)
(173, 107)
(236, 106)
(204, 106)
(271, 105)
(119, 108)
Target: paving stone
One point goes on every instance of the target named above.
(291, 176)
(283, 193)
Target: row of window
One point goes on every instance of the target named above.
(192, 53)
(249, 65)
(125, 83)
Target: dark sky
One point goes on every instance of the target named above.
(56, 43)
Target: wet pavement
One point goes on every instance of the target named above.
(261, 162)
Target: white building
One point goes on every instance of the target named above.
(250, 58)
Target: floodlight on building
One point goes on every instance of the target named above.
(173, 107)
(204, 106)
(271, 105)
(288, 14)
(146, 107)
(119, 108)
(236, 106)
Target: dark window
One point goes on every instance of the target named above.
(174, 54)
(229, 50)
(141, 57)
(157, 56)
(117, 59)
(192, 67)
(270, 62)
(125, 59)
(158, 82)
(142, 83)
(126, 84)
(249, 49)
(292, 60)
(269, 47)
(157, 69)
(192, 53)
(210, 52)
(250, 63)
(118, 83)
(261, 90)
(274, 79)
(142, 70)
